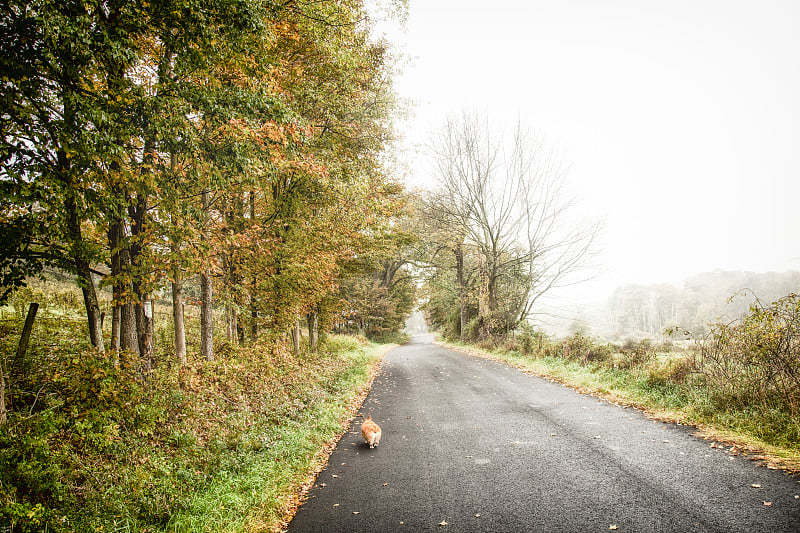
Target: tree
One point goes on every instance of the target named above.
(50, 63)
(380, 290)
(503, 192)
(237, 141)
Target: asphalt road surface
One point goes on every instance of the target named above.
(473, 445)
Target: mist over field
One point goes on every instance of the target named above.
(647, 310)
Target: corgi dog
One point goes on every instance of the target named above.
(371, 431)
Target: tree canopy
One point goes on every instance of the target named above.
(149, 143)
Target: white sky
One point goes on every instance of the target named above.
(680, 119)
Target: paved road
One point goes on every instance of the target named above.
(472, 445)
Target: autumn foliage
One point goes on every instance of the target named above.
(233, 145)
(225, 159)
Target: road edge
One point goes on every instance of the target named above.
(320, 459)
(719, 438)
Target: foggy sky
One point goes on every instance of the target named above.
(680, 120)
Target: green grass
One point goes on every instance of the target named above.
(256, 496)
(213, 447)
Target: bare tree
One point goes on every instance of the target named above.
(504, 192)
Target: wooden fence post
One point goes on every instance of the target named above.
(26, 335)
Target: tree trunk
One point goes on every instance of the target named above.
(178, 321)
(483, 288)
(296, 337)
(92, 305)
(313, 331)
(206, 317)
(240, 331)
(129, 340)
(83, 271)
(123, 322)
(253, 284)
(462, 293)
(231, 323)
(253, 317)
(116, 329)
(143, 306)
(114, 238)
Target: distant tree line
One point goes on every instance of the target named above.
(712, 297)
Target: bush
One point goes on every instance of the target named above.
(671, 370)
(580, 348)
(755, 362)
(390, 337)
(344, 343)
(472, 331)
(635, 354)
(528, 340)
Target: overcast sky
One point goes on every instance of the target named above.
(680, 120)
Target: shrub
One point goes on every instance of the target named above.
(583, 349)
(472, 330)
(529, 340)
(344, 343)
(755, 361)
(391, 337)
(671, 370)
(635, 354)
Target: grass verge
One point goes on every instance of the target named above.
(263, 494)
(223, 446)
